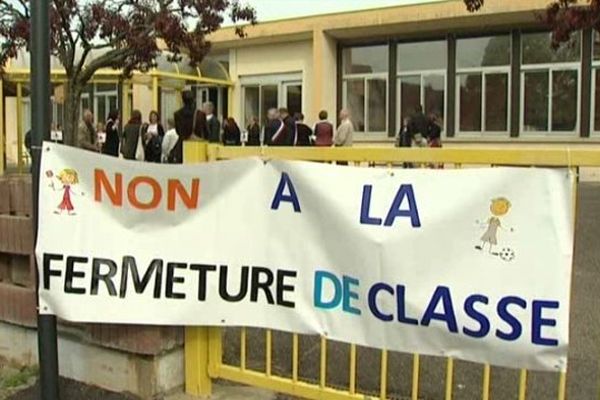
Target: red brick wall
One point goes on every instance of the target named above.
(17, 281)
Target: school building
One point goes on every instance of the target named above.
(491, 77)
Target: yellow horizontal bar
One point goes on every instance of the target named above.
(284, 385)
(499, 156)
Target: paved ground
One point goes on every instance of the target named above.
(584, 372)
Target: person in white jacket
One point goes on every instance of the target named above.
(345, 131)
(169, 141)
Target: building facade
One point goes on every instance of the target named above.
(490, 77)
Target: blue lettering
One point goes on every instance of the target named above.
(412, 212)
(442, 293)
(507, 317)
(349, 294)
(378, 287)
(364, 209)
(280, 196)
(484, 322)
(401, 303)
(538, 322)
(320, 276)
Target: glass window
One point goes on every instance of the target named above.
(470, 102)
(483, 51)
(365, 60)
(536, 101)
(269, 98)
(169, 102)
(355, 102)
(496, 102)
(377, 110)
(537, 49)
(597, 100)
(294, 98)
(251, 101)
(422, 56)
(410, 95)
(434, 88)
(564, 104)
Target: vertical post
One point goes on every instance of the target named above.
(2, 137)
(20, 126)
(451, 88)
(155, 93)
(40, 128)
(515, 84)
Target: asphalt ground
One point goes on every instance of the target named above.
(584, 353)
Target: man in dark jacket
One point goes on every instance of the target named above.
(419, 126)
(189, 123)
(303, 131)
(212, 123)
(275, 130)
(290, 126)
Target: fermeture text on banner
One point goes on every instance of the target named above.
(473, 264)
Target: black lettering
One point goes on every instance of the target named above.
(264, 285)
(172, 280)
(70, 274)
(107, 277)
(48, 258)
(282, 287)
(156, 265)
(223, 285)
(202, 271)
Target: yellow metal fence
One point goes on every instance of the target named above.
(204, 347)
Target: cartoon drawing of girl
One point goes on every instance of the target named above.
(68, 177)
(499, 207)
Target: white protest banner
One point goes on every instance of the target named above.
(473, 264)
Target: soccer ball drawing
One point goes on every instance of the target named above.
(507, 254)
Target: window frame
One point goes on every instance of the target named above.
(550, 68)
(594, 67)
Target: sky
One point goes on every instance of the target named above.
(269, 10)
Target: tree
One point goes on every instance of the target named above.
(121, 34)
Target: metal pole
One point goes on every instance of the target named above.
(40, 129)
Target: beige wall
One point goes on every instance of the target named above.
(282, 58)
(142, 99)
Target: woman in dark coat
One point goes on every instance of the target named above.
(231, 133)
(111, 146)
(253, 132)
(131, 134)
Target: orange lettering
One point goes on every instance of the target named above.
(101, 181)
(177, 188)
(132, 193)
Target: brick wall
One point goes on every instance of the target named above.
(17, 281)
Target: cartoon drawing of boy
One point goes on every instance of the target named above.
(499, 207)
(68, 177)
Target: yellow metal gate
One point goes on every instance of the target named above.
(204, 358)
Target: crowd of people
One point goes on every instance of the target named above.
(152, 142)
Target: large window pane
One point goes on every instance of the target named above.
(434, 88)
(564, 100)
(251, 100)
(536, 101)
(268, 100)
(169, 104)
(470, 102)
(410, 95)
(365, 60)
(377, 111)
(537, 49)
(496, 102)
(355, 102)
(294, 98)
(483, 51)
(597, 101)
(422, 56)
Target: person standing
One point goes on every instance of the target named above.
(419, 126)
(169, 141)
(404, 138)
(189, 123)
(232, 136)
(290, 126)
(212, 123)
(253, 132)
(275, 130)
(111, 146)
(435, 132)
(303, 131)
(345, 131)
(131, 136)
(323, 131)
(86, 134)
(153, 135)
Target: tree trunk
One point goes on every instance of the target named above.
(73, 93)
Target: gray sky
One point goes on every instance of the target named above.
(269, 10)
